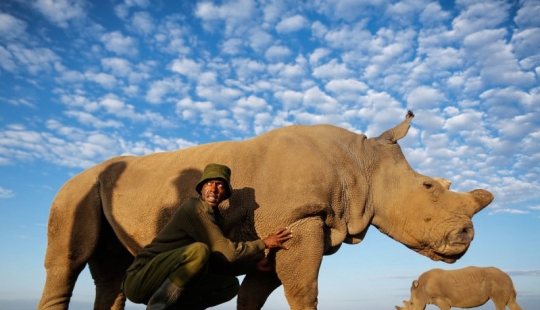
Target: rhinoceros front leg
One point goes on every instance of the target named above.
(298, 267)
(255, 289)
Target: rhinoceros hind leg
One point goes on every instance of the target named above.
(59, 286)
(107, 265)
(73, 232)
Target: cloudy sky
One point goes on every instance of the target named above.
(82, 81)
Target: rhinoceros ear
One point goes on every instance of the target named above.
(398, 132)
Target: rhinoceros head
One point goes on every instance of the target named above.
(419, 211)
(407, 306)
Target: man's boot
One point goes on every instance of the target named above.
(165, 296)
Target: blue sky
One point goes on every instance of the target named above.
(82, 81)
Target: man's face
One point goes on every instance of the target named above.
(214, 191)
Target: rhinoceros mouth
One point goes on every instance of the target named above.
(450, 259)
(454, 245)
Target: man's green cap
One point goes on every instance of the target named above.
(216, 171)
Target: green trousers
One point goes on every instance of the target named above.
(187, 267)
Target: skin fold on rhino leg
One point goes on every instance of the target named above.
(107, 266)
(298, 267)
(255, 289)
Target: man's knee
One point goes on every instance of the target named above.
(198, 252)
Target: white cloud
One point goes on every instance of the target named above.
(291, 24)
(61, 12)
(118, 66)
(527, 15)
(143, 22)
(525, 44)
(71, 76)
(273, 10)
(172, 36)
(315, 118)
(290, 100)
(468, 120)
(115, 106)
(218, 93)
(290, 72)
(11, 27)
(346, 85)
(246, 68)
(348, 37)
(88, 119)
(404, 12)
(425, 97)
(131, 90)
(348, 9)
(506, 97)
(259, 40)
(159, 89)
(197, 112)
(318, 29)
(235, 14)
(6, 193)
(479, 16)
(245, 111)
(232, 46)
(433, 14)
(318, 54)
(106, 81)
(320, 101)
(164, 144)
(332, 69)
(254, 103)
(186, 67)
(6, 60)
(189, 110)
(122, 9)
(277, 52)
(518, 127)
(79, 101)
(495, 59)
(35, 60)
(119, 44)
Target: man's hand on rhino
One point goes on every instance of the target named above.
(275, 240)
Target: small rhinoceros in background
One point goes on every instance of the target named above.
(327, 184)
(462, 288)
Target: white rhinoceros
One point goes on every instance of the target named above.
(324, 182)
(463, 288)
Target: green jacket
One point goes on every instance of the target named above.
(197, 221)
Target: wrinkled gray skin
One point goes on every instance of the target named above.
(462, 288)
(324, 182)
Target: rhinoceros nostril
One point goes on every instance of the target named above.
(466, 233)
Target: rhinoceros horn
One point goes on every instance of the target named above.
(483, 198)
